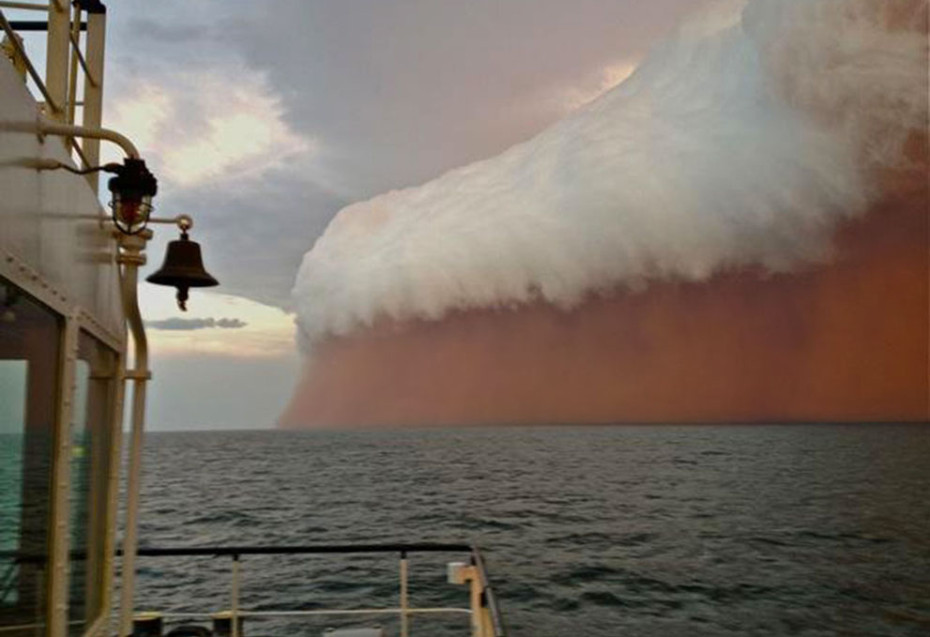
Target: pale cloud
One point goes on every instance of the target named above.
(141, 115)
(604, 79)
(210, 126)
(259, 331)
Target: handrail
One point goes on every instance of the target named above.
(317, 549)
(489, 597)
(25, 6)
(37, 25)
(486, 604)
(267, 614)
(130, 257)
(80, 153)
(235, 552)
(21, 54)
(86, 61)
(42, 126)
(76, 47)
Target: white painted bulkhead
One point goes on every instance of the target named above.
(47, 217)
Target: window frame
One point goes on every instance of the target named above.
(73, 320)
(100, 490)
(50, 365)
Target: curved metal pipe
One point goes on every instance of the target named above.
(47, 127)
(131, 258)
(43, 126)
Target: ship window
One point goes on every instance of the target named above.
(91, 442)
(29, 359)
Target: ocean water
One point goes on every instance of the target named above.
(594, 531)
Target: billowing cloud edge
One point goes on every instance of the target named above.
(741, 144)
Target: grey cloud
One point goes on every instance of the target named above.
(183, 324)
(242, 393)
(151, 29)
(253, 239)
(230, 323)
(408, 90)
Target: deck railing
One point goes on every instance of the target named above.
(486, 620)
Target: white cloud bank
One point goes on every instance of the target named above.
(741, 142)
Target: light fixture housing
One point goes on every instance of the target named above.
(132, 190)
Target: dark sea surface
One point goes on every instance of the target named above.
(593, 531)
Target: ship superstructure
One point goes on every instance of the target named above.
(62, 336)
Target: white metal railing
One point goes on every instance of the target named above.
(67, 62)
(483, 609)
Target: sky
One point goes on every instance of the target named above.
(263, 120)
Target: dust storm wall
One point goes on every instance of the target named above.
(845, 342)
(737, 233)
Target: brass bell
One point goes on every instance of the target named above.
(183, 269)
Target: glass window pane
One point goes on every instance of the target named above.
(30, 335)
(91, 440)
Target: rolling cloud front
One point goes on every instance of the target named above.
(741, 142)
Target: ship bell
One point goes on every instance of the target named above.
(183, 269)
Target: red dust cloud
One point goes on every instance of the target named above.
(847, 340)
(843, 342)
